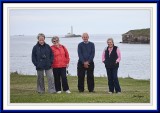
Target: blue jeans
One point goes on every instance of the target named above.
(113, 82)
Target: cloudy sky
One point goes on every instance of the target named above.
(58, 22)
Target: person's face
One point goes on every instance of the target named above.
(55, 41)
(41, 40)
(110, 43)
(85, 38)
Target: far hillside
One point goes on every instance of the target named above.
(137, 36)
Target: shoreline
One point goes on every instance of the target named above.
(16, 73)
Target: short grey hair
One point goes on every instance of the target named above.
(85, 34)
(110, 39)
(55, 38)
(40, 34)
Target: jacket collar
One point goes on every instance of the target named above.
(86, 42)
(40, 44)
(60, 45)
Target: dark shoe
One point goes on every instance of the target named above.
(92, 91)
(40, 92)
(118, 92)
(80, 91)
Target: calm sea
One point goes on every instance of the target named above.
(136, 58)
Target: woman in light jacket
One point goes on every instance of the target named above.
(111, 57)
(59, 65)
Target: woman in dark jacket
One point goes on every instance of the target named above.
(111, 58)
(42, 58)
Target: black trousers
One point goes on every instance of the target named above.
(81, 76)
(113, 81)
(60, 78)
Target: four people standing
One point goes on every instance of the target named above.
(45, 57)
(86, 53)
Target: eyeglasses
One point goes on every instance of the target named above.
(55, 40)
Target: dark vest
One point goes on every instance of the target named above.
(110, 60)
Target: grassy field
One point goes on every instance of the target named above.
(23, 90)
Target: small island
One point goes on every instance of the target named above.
(138, 36)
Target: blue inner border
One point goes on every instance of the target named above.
(158, 61)
(74, 1)
(1, 58)
(79, 1)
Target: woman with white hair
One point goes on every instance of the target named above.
(42, 58)
(111, 57)
(59, 65)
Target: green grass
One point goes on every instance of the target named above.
(23, 90)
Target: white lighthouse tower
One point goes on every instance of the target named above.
(71, 34)
(71, 30)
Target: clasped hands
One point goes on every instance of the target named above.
(86, 64)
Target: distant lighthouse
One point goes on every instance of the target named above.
(71, 34)
(71, 30)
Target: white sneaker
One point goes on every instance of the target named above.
(68, 91)
(58, 92)
(110, 93)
